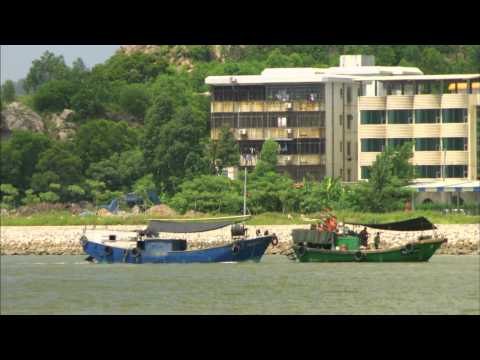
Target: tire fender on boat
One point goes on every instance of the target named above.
(274, 240)
(108, 251)
(83, 241)
(302, 250)
(135, 252)
(359, 256)
(236, 249)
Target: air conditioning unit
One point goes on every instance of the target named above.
(288, 159)
(243, 132)
(465, 118)
(233, 79)
(410, 119)
(437, 118)
(438, 174)
(289, 106)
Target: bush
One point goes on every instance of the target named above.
(49, 197)
(30, 198)
(208, 193)
(54, 96)
(9, 194)
(134, 100)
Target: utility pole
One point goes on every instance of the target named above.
(245, 193)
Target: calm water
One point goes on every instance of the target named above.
(68, 285)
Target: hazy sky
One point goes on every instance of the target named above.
(17, 59)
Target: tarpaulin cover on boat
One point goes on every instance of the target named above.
(191, 225)
(417, 224)
(312, 236)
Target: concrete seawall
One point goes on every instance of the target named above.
(64, 240)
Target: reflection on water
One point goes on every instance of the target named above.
(69, 285)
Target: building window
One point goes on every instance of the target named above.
(349, 95)
(219, 120)
(349, 148)
(454, 115)
(341, 172)
(365, 172)
(349, 175)
(238, 93)
(312, 93)
(349, 121)
(372, 145)
(459, 144)
(341, 120)
(427, 144)
(341, 146)
(429, 116)
(427, 171)
(455, 171)
(397, 142)
(400, 116)
(372, 117)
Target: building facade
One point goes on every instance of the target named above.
(312, 114)
(437, 113)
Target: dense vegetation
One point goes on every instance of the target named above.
(142, 124)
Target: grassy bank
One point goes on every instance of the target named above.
(59, 218)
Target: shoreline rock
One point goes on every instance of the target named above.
(64, 240)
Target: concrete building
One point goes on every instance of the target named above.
(440, 115)
(312, 113)
(335, 121)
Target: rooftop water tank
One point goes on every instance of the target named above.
(357, 60)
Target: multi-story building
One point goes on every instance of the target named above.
(335, 121)
(312, 114)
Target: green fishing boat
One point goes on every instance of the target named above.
(321, 244)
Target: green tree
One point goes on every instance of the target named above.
(48, 67)
(144, 186)
(8, 92)
(8, 194)
(99, 139)
(385, 190)
(119, 171)
(62, 161)
(19, 156)
(134, 100)
(268, 157)
(177, 149)
(133, 68)
(54, 96)
(223, 152)
(209, 193)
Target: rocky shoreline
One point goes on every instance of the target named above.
(64, 240)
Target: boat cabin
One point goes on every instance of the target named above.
(153, 246)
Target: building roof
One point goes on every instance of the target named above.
(447, 186)
(422, 77)
(311, 75)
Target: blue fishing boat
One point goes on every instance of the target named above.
(145, 246)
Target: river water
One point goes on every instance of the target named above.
(68, 285)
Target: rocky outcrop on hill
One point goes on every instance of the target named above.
(16, 116)
(60, 125)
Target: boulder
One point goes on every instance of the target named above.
(17, 116)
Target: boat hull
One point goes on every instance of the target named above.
(419, 251)
(246, 250)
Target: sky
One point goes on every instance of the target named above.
(17, 59)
